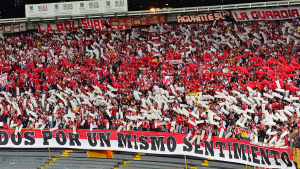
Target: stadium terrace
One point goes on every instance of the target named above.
(207, 85)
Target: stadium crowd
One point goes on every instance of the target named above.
(117, 80)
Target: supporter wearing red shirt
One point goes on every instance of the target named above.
(5, 125)
(78, 122)
(168, 126)
(189, 124)
(89, 121)
(146, 125)
(119, 122)
(113, 122)
(106, 123)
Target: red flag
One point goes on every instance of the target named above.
(295, 63)
(118, 85)
(242, 85)
(224, 53)
(154, 76)
(234, 86)
(133, 57)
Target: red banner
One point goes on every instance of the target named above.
(230, 150)
(99, 24)
(58, 27)
(202, 17)
(150, 20)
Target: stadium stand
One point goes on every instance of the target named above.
(112, 96)
(207, 80)
(78, 159)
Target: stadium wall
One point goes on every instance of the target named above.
(228, 150)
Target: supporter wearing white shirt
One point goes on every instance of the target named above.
(50, 121)
(256, 119)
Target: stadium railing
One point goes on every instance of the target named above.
(163, 11)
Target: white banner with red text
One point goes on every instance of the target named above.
(65, 27)
(99, 24)
(202, 17)
(13, 28)
(266, 14)
(229, 150)
(175, 62)
(75, 8)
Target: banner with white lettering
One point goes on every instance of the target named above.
(168, 80)
(98, 24)
(202, 17)
(266, 14)
(13, 28)
(3, 78)
(229, 150)
(58, 27)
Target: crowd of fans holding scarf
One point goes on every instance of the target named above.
(126, 69)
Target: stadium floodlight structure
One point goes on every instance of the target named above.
(166, 11)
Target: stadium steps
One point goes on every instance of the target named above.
(87, 153)
(138, 156)
(227, 165)
(143, 161)
(153, 165)
(121, 165)
(66, 153)
(155, 161)
(26, 158)
(81, 159)
(13, 162)
(204, 167)
(39, 154)
(92, 159)
(31, 152)
(128, 157)
(83, 163)
(124, 156)
(100, 154)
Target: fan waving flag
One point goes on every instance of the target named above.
(224, 53)
(168, 80)
(249, 40)
(3, 79)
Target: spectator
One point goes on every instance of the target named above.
(103, 82)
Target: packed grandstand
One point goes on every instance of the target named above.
(244, 74)
(232, 80)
